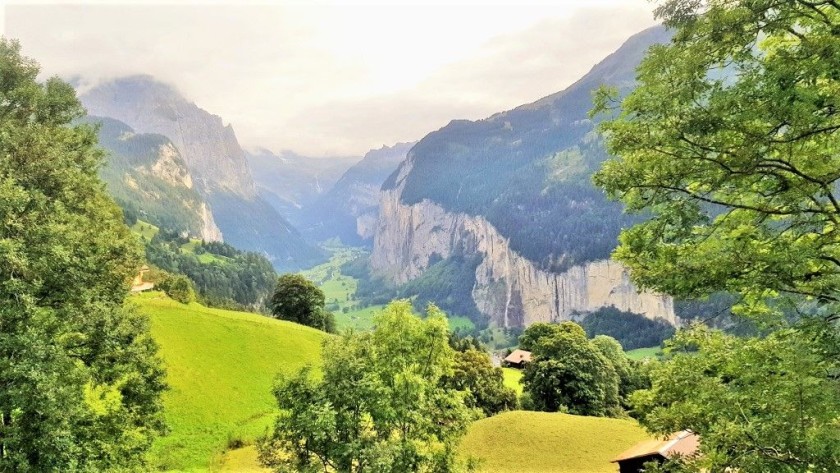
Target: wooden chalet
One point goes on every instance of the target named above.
(518, 358)
(685, 443)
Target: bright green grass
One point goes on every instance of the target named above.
(642, 353)
(204, 258)
(220, 368)
(144, 229)
(461, 322)
(538, 442)
(513, 379)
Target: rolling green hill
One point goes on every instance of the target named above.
(221, 365)
(537, 442)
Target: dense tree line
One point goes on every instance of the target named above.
(631, 330)
(239, 278)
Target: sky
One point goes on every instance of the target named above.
(331, 78)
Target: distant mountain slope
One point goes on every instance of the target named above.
(350, 208)
(215, 161)
(514, 190)
(146, 174)
(289, 181)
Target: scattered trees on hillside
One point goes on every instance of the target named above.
(298, 299)
(380, 405)
(81, 379)
(730, 144)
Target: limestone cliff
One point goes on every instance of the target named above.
(509, 289)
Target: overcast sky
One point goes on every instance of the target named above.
(333, 78)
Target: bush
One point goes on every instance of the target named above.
(179, 288)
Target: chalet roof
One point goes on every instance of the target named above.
(681, 443)
(519, 356)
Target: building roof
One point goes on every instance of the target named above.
(683, 443)
(519, 356)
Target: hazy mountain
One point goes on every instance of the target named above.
(349, 210)
(511, 196)
(215, 160)
(148, 177)
(290, 182)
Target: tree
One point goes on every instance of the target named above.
(80, 374)
(730, 144)
(484, 385)
(568, 373)
(299, 300)
(178, 287)
(717, 385)
(631, 374)
(379, 406)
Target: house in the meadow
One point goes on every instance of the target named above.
(518, 358)
(685, 443)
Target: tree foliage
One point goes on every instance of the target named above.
(299, 300)
(484, 384)
(380, 405)
(178, 287)
(730, 144)
(759, 404)
(80, 374)
(569, 373)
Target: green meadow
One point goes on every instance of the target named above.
(543, 442)
(221, 365)
(642, 353)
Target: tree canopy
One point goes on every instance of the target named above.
(568, 372)
(380, 405)
(299, 300)
(730, 145)
(80, 374)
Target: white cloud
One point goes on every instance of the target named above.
(335, 78)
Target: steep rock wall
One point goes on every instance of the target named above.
(509, 289)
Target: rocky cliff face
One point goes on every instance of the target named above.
(350, 208)
(514, 192)
(209, 147)
(510, 290)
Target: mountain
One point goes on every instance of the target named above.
(349, 210)
(147, 176)
(289, 181)
(510, 199)
(215, 160)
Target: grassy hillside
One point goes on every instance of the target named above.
(538, 442)
(642, 353)
(513, 379)
(221, 365)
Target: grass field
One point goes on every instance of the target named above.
(642, 353)
(145, 230)
(221, 366)
(513, 379)
(540, 442)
